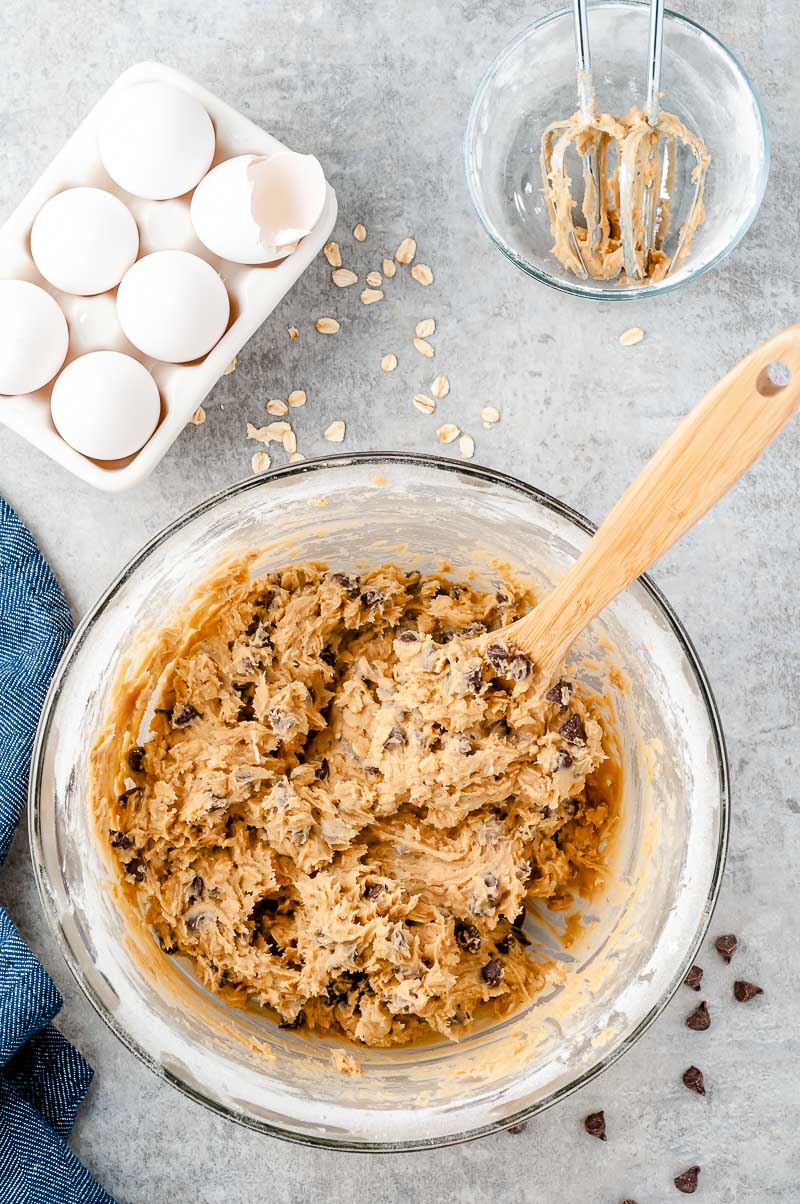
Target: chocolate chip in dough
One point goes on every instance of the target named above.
(520, 667)
(136, 758)
(136, 868)
(396, 739)
(328, 656)
(473, 679)
(323, 770)
(564, 760)
(492, 973)
(260, 636)
(504, 944)
(699, 1019)
(574, 731)
(119, 840)
(373, 890)
(694, 977)
(726, 946)
(687, 1182)
(595, 1125)
(497, 656)
(693, 1079)
(408, 637)
(183, 714)
(467, 936)
(372, 598)
(198, 886)
(246, 713)
(473, 629)
(464, 746)
(520, 1128)
(125, 798)
(744, 991)
(559, 693)
(350, 585)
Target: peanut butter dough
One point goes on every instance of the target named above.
(339, 807)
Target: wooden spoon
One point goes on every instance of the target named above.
(713, 446)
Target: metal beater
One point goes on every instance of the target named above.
(629, 170)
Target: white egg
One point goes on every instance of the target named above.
(105, 405)
(156, 141)
(255, 208)
(84, 240)
(34, 337)
(173, 306)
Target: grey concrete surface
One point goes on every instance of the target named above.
(380, 91)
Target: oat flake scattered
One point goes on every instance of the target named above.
(490, 414)
(289, 442)
(260, 461)
(426, 349)
(327, 326)
(425, 328)
(335, 432)
(406, 251)
(343, 277)
(440, 387)
(466, 446)
(447, 433)
(389, 362)
(370, 295)
(374, 279)
(424, 404)
(422, 274)
(294, 333)
(629, 338)
(389, 268)
(231, 366)
(199, 416)
(297, 397)
(360, 232)
(296, 457)
(277, 408)
(266, 434)
(332, 254)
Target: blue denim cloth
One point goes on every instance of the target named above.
(42, 1078)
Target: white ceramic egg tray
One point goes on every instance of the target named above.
(254, 291)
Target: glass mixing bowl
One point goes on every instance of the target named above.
(639, 938)
(532, 82)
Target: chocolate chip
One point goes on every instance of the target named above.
(464, 746)
(492, 973)
(298, 1021)
(183, 714)
(373, 890)
(136, 868)
(694, 978)
(519, 918)
(196, 921)
(467, 936)
(323, 770)
(350, 585)
(699, 1019)
(574, 731)
(520, 1128)
(504, 944)
(571, 807)
(472, 629)
(246, 713)
(628, 1202)
(261, 636)
(687, 1182)
(595, 1125)
(125, 798)
(328, 656)
(473, 679)
(372, 597)
(408, 637)
(726, 946)
(564, 760)
(119, 840)
(136, 758)
(693, 1079)
(519, 667)
(559, 693)
(497, 656)
(198, 886)
(745, 991)
(502, 598)
(396, 739)
(372, 770)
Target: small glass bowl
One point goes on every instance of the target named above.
(640, 934)
(532, 82)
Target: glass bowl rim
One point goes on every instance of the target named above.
(308, 467)
(576, 288)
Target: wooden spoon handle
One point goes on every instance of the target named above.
(713, 446)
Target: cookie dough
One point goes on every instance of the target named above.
(634, 138)
(337, 807)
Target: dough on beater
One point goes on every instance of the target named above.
(341, 807)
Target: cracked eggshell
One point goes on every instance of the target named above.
(255, 209)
